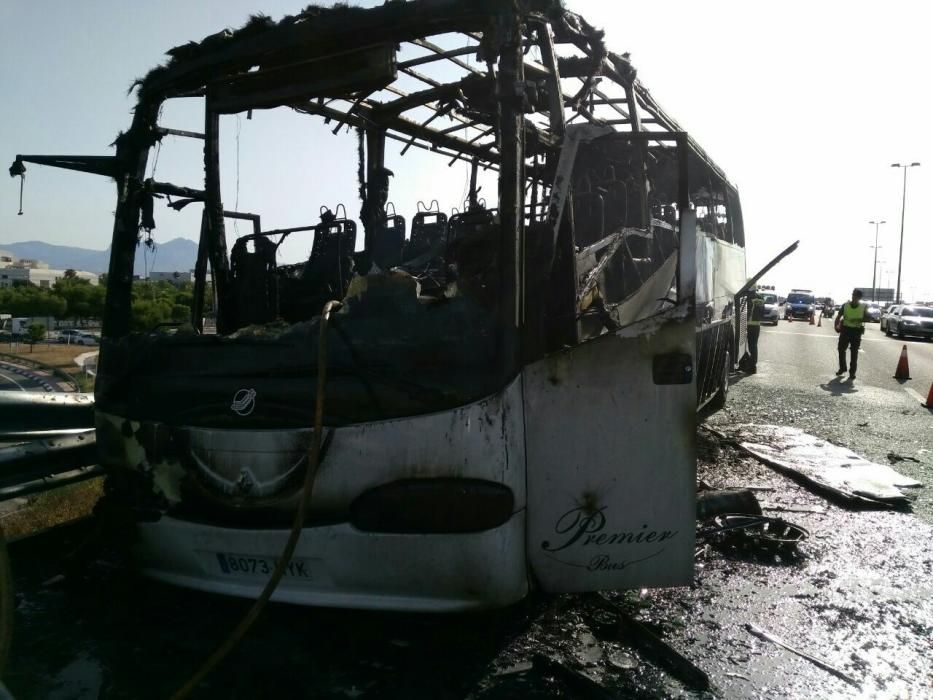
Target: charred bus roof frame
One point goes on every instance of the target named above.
(245, 69)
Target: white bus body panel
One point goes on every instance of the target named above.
(347, 567)
(340, 566)
(612, 463)
(482, 440)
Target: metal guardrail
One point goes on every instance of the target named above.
(51, 441)
(41, 465)
(28, 415)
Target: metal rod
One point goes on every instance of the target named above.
(900, 252)
(612, 103)
(179, 132)
(441, 54)
(436, 55)
(874, 268)
(245, 216)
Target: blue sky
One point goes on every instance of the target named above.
(803, 104)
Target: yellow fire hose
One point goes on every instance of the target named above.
(313, 459)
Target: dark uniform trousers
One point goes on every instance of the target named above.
(849, 337)
(754, 331)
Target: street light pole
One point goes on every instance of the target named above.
(874, 269)
(900, 253)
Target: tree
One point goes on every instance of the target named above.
(83, 299)
(34, 334)
(29, 300)
(181, 313)
(147, 314)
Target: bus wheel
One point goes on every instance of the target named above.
(719, 398)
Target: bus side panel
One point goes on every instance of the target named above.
(612, 460)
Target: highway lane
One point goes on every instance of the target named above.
(13, 381)
(874, 415)
(8, 382)
(877, 359)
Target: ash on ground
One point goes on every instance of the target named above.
(858, 595)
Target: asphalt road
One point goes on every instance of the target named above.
(11, 380)
(875, 415)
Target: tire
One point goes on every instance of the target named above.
(722, 393)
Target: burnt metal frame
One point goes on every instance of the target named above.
(499, 30)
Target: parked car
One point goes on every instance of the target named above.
(772, 313)
(71, 336)
(911, 320)
(889, 311)
(873, 313)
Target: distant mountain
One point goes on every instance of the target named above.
(178, 254)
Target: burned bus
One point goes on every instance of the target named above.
(445, 407)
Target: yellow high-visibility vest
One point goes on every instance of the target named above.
(756, 312)
(853, 317)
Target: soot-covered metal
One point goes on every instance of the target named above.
(440, 311)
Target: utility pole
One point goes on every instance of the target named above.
(874, 268)
(900, 253)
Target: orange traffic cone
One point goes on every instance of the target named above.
(903, 368)
(811, 318)
(929, 403)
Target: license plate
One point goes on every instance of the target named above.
(253, 566)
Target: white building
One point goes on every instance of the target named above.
(15, 271)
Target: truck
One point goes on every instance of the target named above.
(18, 327)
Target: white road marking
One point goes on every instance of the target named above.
(9, 378)
(823, 335)
(915, 394)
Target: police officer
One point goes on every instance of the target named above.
(756, 312)
(850, 324)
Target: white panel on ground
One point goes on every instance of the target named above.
(829, 466)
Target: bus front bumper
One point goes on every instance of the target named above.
(340, 566)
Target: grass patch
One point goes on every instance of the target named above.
(57, 507)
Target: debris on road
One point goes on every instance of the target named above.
(582, 685)
(894, 458)
(768, 637)
(859, 596)
(759, 533)
(793, 509)
(640, 636)
(730, 674)
(830, 467)
(751, 488)
(718, 502)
